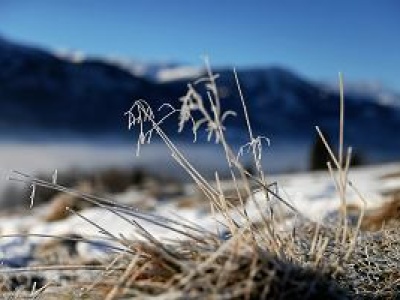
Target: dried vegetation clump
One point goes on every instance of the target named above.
(386, 216)
(244, 258)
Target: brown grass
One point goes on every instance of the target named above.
(386, 215)
(61, 201)
(247, 261)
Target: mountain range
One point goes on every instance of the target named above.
(45, 95)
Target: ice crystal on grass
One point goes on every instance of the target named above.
(193, 102)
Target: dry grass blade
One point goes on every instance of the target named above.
(115, 207)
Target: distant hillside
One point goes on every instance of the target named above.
(42, 94)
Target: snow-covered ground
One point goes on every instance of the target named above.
(313, 194)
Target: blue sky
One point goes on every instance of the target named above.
(314, 38)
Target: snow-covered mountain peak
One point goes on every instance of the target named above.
(372, 91)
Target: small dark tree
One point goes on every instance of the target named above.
(319, 155)
(357, 159)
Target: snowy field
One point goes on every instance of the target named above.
(313, 194)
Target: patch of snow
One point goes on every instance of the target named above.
(369, 90)
(74, 56)
(179, 73)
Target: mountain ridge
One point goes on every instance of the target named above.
(41, 92)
